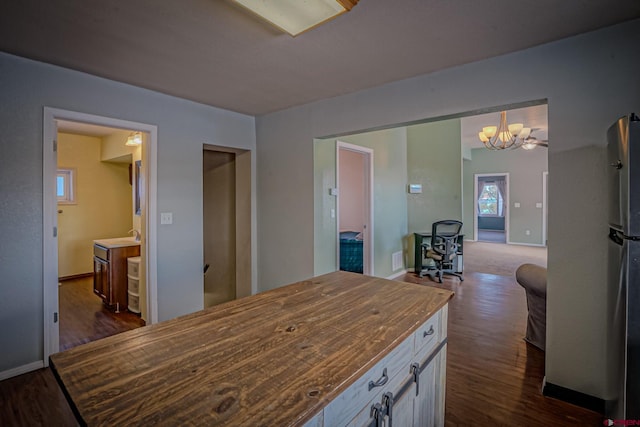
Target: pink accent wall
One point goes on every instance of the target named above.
(351, 190)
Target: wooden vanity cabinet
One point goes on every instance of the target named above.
(110, 274)
(101, 277)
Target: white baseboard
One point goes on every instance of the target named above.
(398, 274)
(21, 370)
(537, 245)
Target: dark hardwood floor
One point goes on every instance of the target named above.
(493, 377)
(83, 317)
(35, 399)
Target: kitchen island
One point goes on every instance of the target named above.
(321, 352)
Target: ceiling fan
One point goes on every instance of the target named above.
(532, 142)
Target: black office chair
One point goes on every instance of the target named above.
(443, 248)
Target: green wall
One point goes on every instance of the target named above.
(427, 154)
(434, 161)
(525, 170)
(324, 178)
(389, 204)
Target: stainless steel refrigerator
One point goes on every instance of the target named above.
(623, 341)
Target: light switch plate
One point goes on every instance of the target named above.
(516, 205)
(166, 218)
(538, 205)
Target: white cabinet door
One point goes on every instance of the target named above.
(429, 404)
(402, 411)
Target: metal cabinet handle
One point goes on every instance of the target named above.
(376, 415)
(617, 165)
(382, 381)
(387, 402)
(415, 371)
(431, 331)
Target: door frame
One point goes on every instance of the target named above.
(368, 246)
(545, 206)
(50, 217)
(506, 203)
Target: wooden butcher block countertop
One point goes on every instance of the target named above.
(272, 359)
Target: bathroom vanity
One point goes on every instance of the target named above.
(335, 350)
(110, 270)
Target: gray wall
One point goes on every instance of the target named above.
(183, 126)
(589, 81)
(525, 170)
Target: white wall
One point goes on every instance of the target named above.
(589, 81)
(183, 126)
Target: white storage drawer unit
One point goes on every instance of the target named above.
(407, 385)
(133, 266)
(133, 284)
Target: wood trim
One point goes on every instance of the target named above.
(348, 4)
(574, 397)
(75, 276)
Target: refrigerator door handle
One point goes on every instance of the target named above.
(614, 237)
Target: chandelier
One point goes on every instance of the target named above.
(504, 136)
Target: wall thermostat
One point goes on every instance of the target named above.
(415, 188)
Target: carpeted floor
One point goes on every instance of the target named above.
(491, 236)
(501, 259)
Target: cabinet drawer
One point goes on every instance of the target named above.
(133, 266)
(100, 252)
(428, 335)
(133, 303)
(363, 418)
(352, 401)
(133, 285)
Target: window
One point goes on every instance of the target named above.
(490, 201)
(65, 186)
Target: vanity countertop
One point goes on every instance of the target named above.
(118, 242)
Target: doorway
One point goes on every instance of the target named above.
(95, 187)
(354, 170)
(226, 202)
(147, 178)
(492, 207)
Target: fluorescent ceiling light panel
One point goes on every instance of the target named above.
(297, 16)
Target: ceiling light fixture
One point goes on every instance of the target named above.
(297, 16)
(134, 139)
(504, 136)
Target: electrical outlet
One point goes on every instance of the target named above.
(527, 232)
